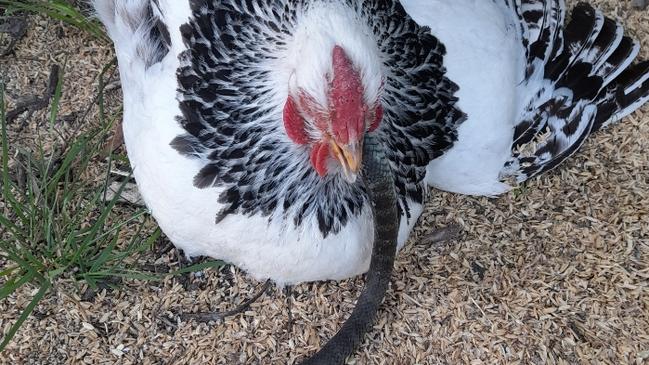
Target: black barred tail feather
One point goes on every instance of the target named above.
(579, 79)
(627, 93)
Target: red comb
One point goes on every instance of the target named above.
(346, 98)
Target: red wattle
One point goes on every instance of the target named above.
(294, 123)
(319, 157)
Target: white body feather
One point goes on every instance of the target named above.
(485, 58)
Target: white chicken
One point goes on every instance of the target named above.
(243, 119)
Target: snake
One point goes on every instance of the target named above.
(377, 176)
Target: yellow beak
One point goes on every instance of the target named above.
(350, 157)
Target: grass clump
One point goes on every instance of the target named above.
(54, 220)
(64, 11)
(53, 223)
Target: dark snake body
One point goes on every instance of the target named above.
(378, 179)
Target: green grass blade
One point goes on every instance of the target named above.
(74, 151)
(45, 286)
(56, 98)
(58, 10)
(12, 285)
(7, 271)
(15, 231)
(104, 255)
(7, 184)
(198, 267)
(128, 274)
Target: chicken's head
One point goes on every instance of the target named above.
(334, 128)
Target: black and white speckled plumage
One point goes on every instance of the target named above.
(226, 98)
